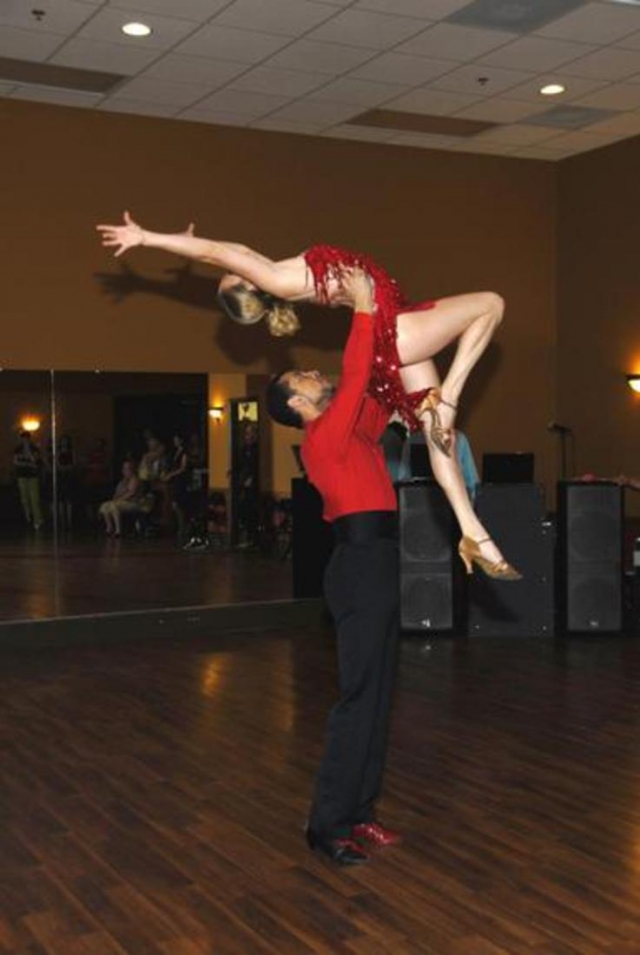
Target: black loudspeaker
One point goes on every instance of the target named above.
(590, 555)
(426, 557)
(514, 516)
(312, 540)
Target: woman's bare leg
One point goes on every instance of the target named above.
(446, 469)
(470, 319)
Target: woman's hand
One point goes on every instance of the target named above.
(123, 237)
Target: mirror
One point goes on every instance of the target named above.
(146, 491)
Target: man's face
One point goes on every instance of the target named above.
(310, 385)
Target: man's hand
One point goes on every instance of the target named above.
(122, 237)
(357, 288)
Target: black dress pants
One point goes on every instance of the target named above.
(362, 591)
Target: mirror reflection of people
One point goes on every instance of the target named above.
(66, 486)
(407, 337)
(125, 500)
(27, 465)
(176, 480)
(246, 476)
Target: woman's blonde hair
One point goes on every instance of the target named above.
(248, 306)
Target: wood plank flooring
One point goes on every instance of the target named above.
(153, 795)
(90, 576)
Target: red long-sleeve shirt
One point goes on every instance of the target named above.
(341, 450)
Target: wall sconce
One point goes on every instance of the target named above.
(30, 424)
(216, 412)
(634, 382)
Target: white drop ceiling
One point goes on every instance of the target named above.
(314, 66)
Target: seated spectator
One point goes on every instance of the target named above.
(126, 500)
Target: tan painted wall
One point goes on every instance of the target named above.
(599, 308)
(442, 223)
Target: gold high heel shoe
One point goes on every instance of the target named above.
(442, 437)
(469, 551)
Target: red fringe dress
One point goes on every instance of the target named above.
(327, 262)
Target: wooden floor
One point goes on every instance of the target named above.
(97, 575)
(153, 796)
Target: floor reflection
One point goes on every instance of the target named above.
(89, 576)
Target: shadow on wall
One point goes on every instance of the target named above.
(322, 329)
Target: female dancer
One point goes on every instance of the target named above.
(407, 337)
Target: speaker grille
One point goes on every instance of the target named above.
(426, 552)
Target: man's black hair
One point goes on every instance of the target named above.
(278, 395)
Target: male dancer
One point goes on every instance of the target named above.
(343, 458)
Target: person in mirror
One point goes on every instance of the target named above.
(176, 480)
(125, 500)
(66, 482)
(404, 376)
(27, 466)
(343, 458)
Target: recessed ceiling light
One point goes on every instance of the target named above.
(136, 29)
(552, 89)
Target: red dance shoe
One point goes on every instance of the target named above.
(376, 835)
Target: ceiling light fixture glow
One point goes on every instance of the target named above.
(136, 29)
(552, 89)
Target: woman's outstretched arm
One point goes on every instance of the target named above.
(284, 279)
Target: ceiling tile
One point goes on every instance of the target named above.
(318, 111)
(161, 91)
(536, 54)
(46, 94)
(432, 102)
(608, 63)
(448, 41)
(521, 16)
(107, 24)
(575, 88)
(330, 58)
(28, 44)
(488, 148)
(358, 92)
(241, 102)
(425, 140)
(595, 23)
(501, 110)
(518, 134)
(286, 126)
(60, 16)
(631, 42)
(214, 117)
(194, 69)
(568, 116)
(110, 57)
(578, 141)
(363, 133)
(374, 31)
(399, 68)
(625, 124)
(287, 17)
(480, 80)
(138, 107)
(198, 11)
(266, 79)
(433, 10)
(623, 96)
(227, 43)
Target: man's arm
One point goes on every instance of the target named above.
(338, 421)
